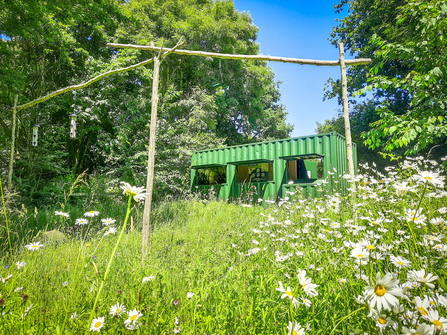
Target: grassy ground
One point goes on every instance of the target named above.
(222, 268)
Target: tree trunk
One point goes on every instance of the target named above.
(150, 159)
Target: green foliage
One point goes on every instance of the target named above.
(407, 75)
(65, 44)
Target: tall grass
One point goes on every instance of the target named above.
(215, 267)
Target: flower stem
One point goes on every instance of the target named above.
(6, 219)
(109, 265)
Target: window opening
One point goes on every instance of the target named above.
(211, 175)
(253, 173)
(306, 167)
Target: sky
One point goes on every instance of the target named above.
(299, 29)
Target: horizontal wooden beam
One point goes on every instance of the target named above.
(357, 61)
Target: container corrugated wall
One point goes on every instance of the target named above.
(332, 146)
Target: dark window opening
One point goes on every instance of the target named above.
(306, 168)
(211, 175)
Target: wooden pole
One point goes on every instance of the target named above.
(247, 57)
(13, 141)
(344, 85)
(151, 158)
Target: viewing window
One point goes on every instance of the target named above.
(306, 167)
(211, 175)
(253, 173)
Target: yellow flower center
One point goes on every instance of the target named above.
(423, 311)
(437, 323)
(91, 212)
(97, 324)
(370, 247)
(289, 294)
(360, 256)
(118, 310)
(382, 321)
(304, 285)
(380, 290)
(294, 333)
(428, 178)
(432, 302)
(400, 263)
(131, 193)
(133, 318)
(34, 246)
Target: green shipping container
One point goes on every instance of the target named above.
(270, 169)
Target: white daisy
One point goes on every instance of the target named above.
(81, 221)
(34, 246)
(133, 315)
(384, 292)
(62, 214)
(294, 328)
(108, 221)
(146, 279)
(97, 324)
(429, 177)
(111, 231)
(419, 276)
(287, 293)
(117, 309)
(136, 192)
(20, 264)
(91, 214)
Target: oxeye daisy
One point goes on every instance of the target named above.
(177, 329)
(359, 253)
(422, 306)
(62, 214)
(91, 214)
(294, 328)
(423, 329)
(400, 261)
(438, 321)
(108, 221)
(97, 324)
(419, 276)
(20, 264)
(34, 246)
(146, 279)
(384, 292)
(117, 309)
(133, 315)
(111, 231)
(431, 177)
(81, 221)
(287, 293)
(137, 193)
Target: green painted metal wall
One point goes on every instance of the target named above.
(332, 146)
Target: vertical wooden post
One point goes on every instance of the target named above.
(344, 85)
(150, 159)
(13, 141)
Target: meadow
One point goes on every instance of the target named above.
(368, 262)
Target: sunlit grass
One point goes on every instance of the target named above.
(214, 267)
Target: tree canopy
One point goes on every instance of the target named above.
(204, 102)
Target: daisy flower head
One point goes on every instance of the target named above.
(422, 306)
(359, 253)
(137, 193)
(108, 221)
(91, 214)
(133, 316)
(111, 231)
(97, 324)
(117, 309)
(429, 177)
(400, 261)
(20, 264)
(81, 222)
(384, 292)
(62, 214)
(34, 246)
(189, 295)
(146, 279)
(74, 316)
(423, 329)
(287, 293)
(438, 322)
(177, 329)
(294, 328)
(419, 276)
(306, 283)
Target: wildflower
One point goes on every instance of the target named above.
(97, 324)
(294, 328)
(27, 311)
(111, 231)
(287, 294)
(81, 222)
(175, 302)
(133, 315)
(359, 253)
(306, 283)
(65, 284)
(422, 305)
(135, 192)
(412, 216)
(20, 264)
(146, 279)
(91, 214)
(402, 188)
(177, 329)
(133, 326)
(108, 221)
(342, 281)
(18, 289)
(431, 177)
(117, 309)
(74, 316)
(400, 261)
(423, 329)
(34, 246)
(384, 293)
(419, 276)
(437, 321)
(62, 214)
(189, 295)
